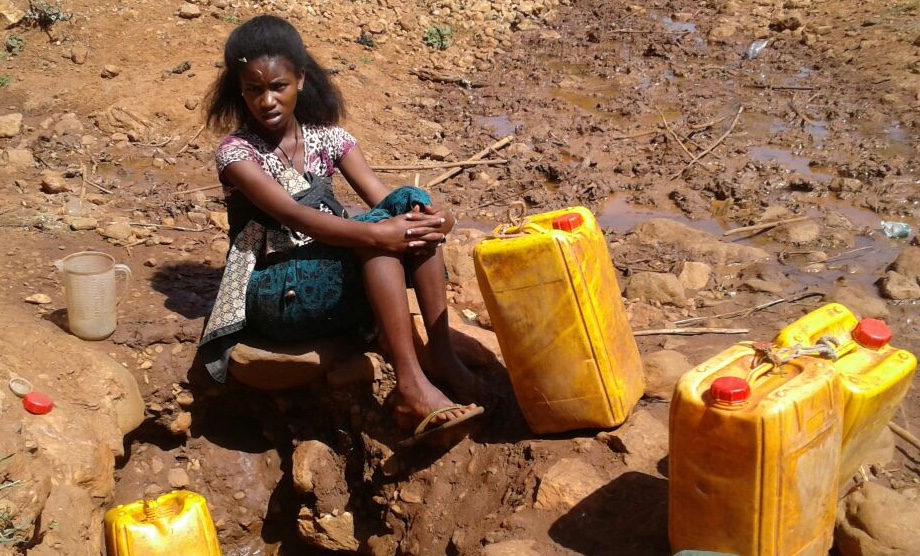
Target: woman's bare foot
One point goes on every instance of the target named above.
(448, 371)
(416, 400)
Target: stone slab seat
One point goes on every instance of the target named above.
(268, 365)
(343, 360)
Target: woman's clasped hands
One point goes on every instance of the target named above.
(418, 232)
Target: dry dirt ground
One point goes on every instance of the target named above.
(637, 111)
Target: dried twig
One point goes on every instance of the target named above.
(635, 135)
(192, 140)
(432, 166)
(845, 253)
(780, 87)
(903, 433)
(197, 189)
(493, 147)
(710, 147)
(165, 227)
(749, 310)
(764, 226)
(690, 331)
(442, 78)
(99, 187)
(801, 113)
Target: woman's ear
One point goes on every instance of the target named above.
(301, 80)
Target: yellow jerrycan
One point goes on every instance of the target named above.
(552, 294)
(873, 375)
(175, 523)
(754, 453)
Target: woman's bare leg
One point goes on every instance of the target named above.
(385, 286)
(430, 287)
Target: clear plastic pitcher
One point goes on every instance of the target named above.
(92, 292)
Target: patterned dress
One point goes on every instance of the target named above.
(311, 289)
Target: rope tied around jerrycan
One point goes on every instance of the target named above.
(766, 352)
(517, 212)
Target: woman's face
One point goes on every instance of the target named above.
(270, 86)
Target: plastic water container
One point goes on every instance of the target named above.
(175, 523)
(873, 375)
(754, 454)
(552, 294)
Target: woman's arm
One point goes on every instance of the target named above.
(362, 178)
(372, 190)
(390, 235)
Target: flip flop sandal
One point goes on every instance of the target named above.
(426, 435)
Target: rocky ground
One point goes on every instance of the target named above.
(676, 123)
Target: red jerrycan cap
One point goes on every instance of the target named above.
(872, 333)
(730, 390)
(568, 222)
(37, 403)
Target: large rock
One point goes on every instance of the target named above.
(656, 287)
(567, 483)
(908, 263)
(643, 439)
(861, 302)
(662, 371)
(877, 521)
(67, 456)
(317, 470)
(276, 366)
(10, 125)
(895, 285)
(701, 246)
(330, 532)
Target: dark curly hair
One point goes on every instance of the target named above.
(319, 103)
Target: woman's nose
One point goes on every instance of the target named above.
(267, 100)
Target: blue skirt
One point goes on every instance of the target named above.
(318, 290)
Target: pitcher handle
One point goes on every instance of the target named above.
(123, 288)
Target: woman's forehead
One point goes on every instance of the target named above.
(268, 67)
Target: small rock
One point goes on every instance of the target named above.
(69, 124)
(53, 183)
(643, 439)
(198, 218)
(191, 103)
(18, 159)
(411, 494)
(516, 547)
(82, 223)
(117, 230)
(38, 299)
(660, 287)
(109, 71)
(10, 15)
(10, 125)
(189, 11)
(219, 220)
(182, 423)
(78, 54)
(439, 153)
(150, 263)
(694, 275)
(178, 478)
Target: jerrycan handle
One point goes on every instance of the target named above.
(127, 278)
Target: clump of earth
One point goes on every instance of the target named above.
(740, 157)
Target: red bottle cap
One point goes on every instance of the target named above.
(37, 403)
(872, 333)
(730, 390)
(567, 222)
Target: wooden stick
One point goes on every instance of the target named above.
(845, 253)
(451, 173)
(710, 147)
(99, 187)
(780, 87)
(903, 433)
(442, 78)
(165, 227)
(690, 331)
(764, 226)
(189, 142)
(750, 310)
(196, 190)
(676, 138)
(434, 166)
